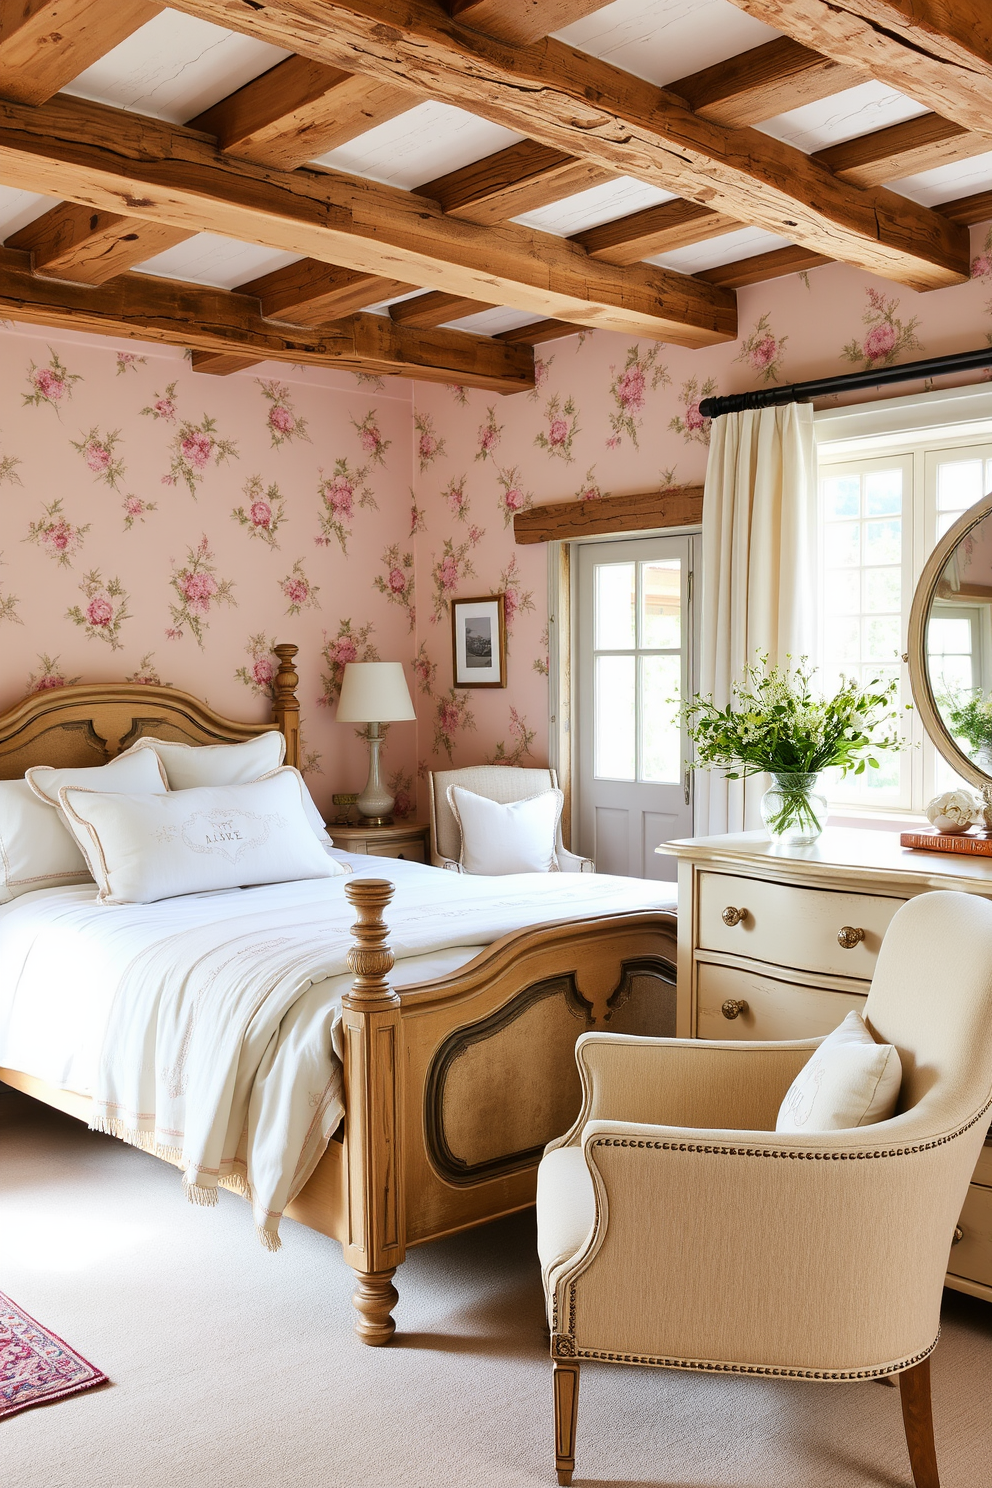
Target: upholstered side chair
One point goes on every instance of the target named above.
(677, 1228)
(502, 783)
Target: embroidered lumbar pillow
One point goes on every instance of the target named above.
(518, 837)
(850, 1081)
(189, 766)
(142, 848)
(128, 772)
(36, 849)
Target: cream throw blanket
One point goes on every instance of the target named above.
(219, 1047)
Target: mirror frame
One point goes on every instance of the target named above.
(919, 675)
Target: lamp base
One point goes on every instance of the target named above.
(376, 821)
(375, 802)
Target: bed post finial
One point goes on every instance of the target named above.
(370, 1020)
(285, 703)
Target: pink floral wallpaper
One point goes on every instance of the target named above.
(163, 525)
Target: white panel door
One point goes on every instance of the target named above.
(633, 649)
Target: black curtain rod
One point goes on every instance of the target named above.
(819, 387)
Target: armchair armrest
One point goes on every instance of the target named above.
(439, 862)
(683, 1082)
(570, 862)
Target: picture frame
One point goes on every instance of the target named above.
(478, 641)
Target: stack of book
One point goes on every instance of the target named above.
(934, 841)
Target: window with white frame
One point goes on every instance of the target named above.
(884, 502)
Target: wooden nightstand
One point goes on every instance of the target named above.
(406, 840)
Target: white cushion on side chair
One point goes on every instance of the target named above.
(518, 837)
(850, 1081)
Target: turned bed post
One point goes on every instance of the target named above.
(285, 703)
(375, 1242)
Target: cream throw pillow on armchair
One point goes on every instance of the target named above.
(519, 837)
(850, 1081)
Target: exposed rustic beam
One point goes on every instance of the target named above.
(642, 511)
(968, 210)
(762, 266)
(767, 80)
(221, 363)
(520, 20)
(108, 159)
(538, 332)
(298, 110)
(584, 107)
(309, 292)
(937, 51)
(519, 179)
(672, 224)
(90, 247)
(434, 309)
(917, 144)
(44, 44)
(144, 308)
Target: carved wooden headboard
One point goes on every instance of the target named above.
(89, 723)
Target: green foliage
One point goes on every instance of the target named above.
(972, 719)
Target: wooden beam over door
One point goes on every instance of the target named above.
(583, 106)
(563, 521)
(105, 158)
(44, 44)
(937, 51)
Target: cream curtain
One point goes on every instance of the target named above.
(758, 572)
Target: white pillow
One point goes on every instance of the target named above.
(128, 772)
(850, 1081)
(519, 837)
(36, 849)
(149, 847)
(189, 766)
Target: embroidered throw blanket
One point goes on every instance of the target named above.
(219, 1045)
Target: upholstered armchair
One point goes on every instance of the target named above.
(677, 1228)
(501, 783)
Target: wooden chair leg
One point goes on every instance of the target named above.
(566, 1391)
(917, 1415)
(374, 1299)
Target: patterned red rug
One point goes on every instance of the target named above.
(36, 1366)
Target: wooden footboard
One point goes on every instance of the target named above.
(452, 1089)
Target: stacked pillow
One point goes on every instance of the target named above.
(43, 844)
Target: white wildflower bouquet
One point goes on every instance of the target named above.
(971, 717)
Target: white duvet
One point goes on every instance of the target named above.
(205, 1027)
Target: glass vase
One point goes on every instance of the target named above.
(793, 809)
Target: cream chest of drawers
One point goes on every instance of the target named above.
(780, 942)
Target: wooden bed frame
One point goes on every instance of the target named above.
(452, 1088)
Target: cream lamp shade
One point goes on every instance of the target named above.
(374, 692)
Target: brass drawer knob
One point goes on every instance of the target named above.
(732, 916)
(958, 1235)
(733, 1007)
(849, 936)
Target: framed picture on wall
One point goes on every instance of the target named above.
(478, 639)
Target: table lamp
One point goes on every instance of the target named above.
(374, 692)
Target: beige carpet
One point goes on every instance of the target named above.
(238, 1369)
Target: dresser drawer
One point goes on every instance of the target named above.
(788, 925)
(411, 852)
(775, 1009)
(972, 1256)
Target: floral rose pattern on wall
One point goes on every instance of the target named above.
(690, 422)
(341, 492)
(489, 435)
(300, 594)
(513, 498)
(762, 352)
(429, 446)
(105, 610)
(457, 498)
(8, 470)
(50, 383)
(350, 644)
(400, 786)
(283, 422)
(589, 489)
(888, 336)
(97, 451)
(629, 387)
(262, 511)
(198, 588)
(49, 675)
(145, 674)
(259, 674)
(449, 571)
(563, 425)
(452, 716)
(397, 582)
(194, 447)
(129, 361)
(521, 738)
(55, 536)
(370, 438)
(8, 602)
(515, 598)
(136, 510)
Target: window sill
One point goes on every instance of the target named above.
(876, 821)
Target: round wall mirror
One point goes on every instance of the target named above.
(950, 646)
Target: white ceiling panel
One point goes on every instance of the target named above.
(426, 142)
(491, 322)
(220, 262)
(18, 208)
(175, 67)
(598, 204)
(746, 243)
(844, 116)
(662, 40)
(962, 178)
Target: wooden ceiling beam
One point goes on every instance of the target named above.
(299, 110)
(90, 247)
(108, 159)
(640, 511)
(587, 108)
(936, 51)
(762, 266)
(223, 322)
(538, 332)
(520, 20)
(672, 224)
(918, 144)
(767, 80)
(434, 309)
(44, 44)
(967, 210)
(519, 179)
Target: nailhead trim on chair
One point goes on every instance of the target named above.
(565, 1347)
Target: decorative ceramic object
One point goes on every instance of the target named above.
(954, 811)
(793, 810)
